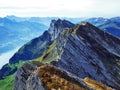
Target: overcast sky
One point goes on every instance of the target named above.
(60, 8)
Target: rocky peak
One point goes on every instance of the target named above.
(57, 26)
(34, 48)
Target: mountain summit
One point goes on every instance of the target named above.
(35, 48)
(81, 56)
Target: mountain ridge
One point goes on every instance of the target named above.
(82, 50)
(89, 39)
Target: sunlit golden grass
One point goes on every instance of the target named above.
(94, 84)
(53, 79)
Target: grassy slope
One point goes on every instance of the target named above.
(8, 82)
(94, 84)
(49, 55)
(53, 78)
(52, 53)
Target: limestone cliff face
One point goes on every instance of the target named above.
(56, 27)
(26, 79)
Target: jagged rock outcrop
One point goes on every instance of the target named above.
(26, 79)
(56, 27)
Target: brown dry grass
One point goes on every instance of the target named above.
(53, 79)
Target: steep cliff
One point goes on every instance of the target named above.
(26, 79)
(86, 51)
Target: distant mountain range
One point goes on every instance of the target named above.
(74, 50)
(14, 34)
(111, 25)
